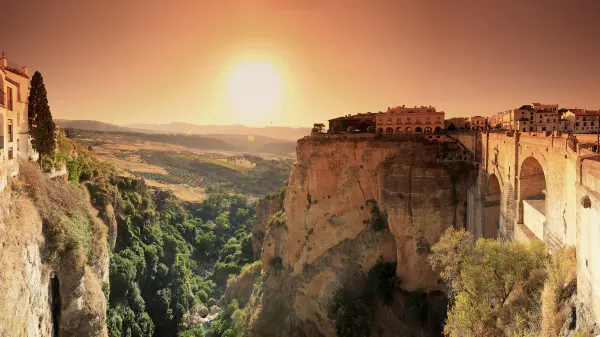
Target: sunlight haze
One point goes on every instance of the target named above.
(160, 62)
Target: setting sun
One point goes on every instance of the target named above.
(255, 86)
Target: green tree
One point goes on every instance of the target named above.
(41, 125)
(494, 284)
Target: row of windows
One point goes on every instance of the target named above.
(584, 124)
(410, 130)
(408, 120)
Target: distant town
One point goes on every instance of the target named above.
(533, 118)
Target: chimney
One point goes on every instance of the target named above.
(3, 62)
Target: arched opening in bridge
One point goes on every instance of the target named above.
(532, 196)
(398, 130)
(409, 129)
(418, 129)
(389, 131)
(491, 210)
(438, 129)
(427, 129)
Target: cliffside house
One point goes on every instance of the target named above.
(400, 119)
(14, 127)
(534, 117)
(582, 120)
(358, 122)
(477, 123)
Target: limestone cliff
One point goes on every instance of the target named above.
(349, 201)
(44, 289)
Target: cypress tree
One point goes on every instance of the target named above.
(41, 125)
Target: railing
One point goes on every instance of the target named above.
(15, 67)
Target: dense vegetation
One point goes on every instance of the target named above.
(170, 259)
(266, 176)
(503, 288)
(352, 311)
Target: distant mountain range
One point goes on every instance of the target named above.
(279, 132)
(250, 141)
(276, 132)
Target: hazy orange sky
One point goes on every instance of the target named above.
(134, 61)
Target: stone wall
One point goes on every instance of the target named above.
(567, 215)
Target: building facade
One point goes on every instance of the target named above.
(582, 120)
(14, 126)
(477, 123)
(400, 119)
(535, 117)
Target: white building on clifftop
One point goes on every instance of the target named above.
(14, 127)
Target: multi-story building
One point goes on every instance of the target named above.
(477, 123)
(546, 120)
(582, 120)
(495, 120)
(535, 117)
(400, 119)
(14, 126)
(508, 120)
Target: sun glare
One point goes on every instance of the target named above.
(254, 86)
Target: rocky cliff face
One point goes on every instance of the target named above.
(349, 202)
(42, 298)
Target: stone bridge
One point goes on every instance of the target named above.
(541, 188)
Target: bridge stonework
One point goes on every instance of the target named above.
(549, 191)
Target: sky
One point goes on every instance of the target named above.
(148, 61)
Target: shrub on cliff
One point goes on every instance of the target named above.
(69, 224)
(559, 287)
(495, 285)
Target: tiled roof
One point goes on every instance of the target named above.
(585, 112)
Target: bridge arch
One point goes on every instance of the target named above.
(532, 196)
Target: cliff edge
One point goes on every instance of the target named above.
(351, 201)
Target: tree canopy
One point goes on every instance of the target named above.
(41, 125)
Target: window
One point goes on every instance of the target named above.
(389, 121)
(584, 123)
(437, 120)
(427, 120)
(380, 121)
(18, 118)
(9, 98)
(398, 120)
(407, 120)
(10, 153)
(10, 130)
(418, 120)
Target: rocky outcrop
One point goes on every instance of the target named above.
(43, 293)
(266, 208)
(350, 201)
